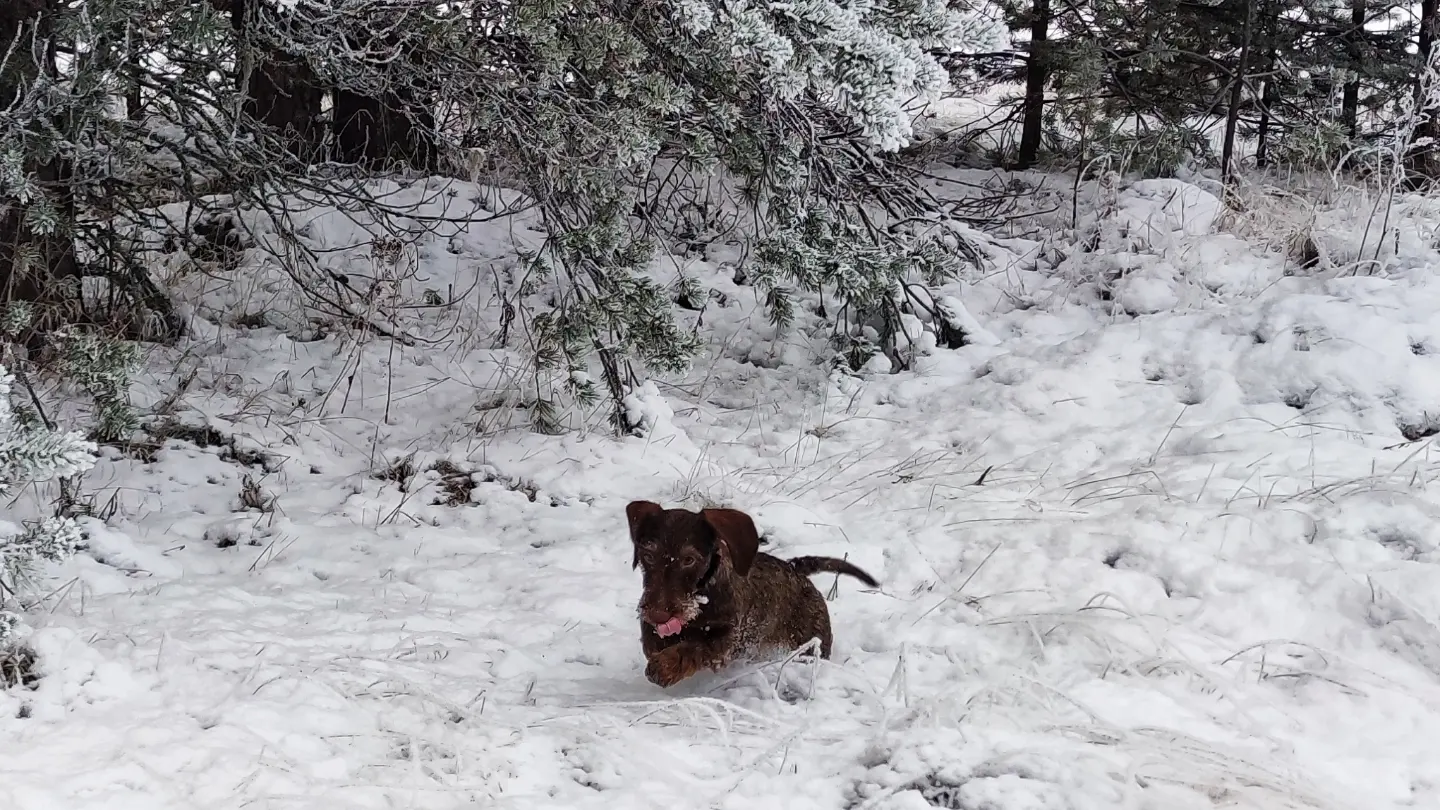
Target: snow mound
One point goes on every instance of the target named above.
(1166, 208)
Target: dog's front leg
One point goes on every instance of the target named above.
(677, 662)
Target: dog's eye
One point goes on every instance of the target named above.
(689, 561)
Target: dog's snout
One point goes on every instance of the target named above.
(657, 616)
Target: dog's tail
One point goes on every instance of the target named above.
(819, 565)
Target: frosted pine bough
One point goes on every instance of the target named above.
(866, 60)
(33, 453)
(771, 116)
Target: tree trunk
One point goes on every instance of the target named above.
(378, 134)
(1269, 96)
(1037, 74)
(134, 102)
(1237, 94)
(1350, 100)
(281, 92)
(1421, 159)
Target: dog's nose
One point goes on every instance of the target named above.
(657, 617)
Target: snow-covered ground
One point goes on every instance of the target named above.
(1168, 545)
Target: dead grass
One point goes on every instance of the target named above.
(18, 667)
(455, 484)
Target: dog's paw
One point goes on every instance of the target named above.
(672, 665)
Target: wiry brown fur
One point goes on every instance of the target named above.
(754, 605)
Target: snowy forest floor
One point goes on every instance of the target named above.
(1164, 536)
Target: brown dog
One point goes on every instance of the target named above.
(711, 597)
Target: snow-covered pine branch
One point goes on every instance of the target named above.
(32, 453)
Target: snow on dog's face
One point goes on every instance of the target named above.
(680, 553)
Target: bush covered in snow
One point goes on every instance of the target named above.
(32, 452)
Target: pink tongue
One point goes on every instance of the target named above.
(669, 628)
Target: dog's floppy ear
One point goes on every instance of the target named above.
(737, 531)
(636, 513)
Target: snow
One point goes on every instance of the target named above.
(1161, 536)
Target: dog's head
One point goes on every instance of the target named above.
(681, 554)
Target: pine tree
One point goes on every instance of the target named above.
(801, 104)
(1144, 79)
